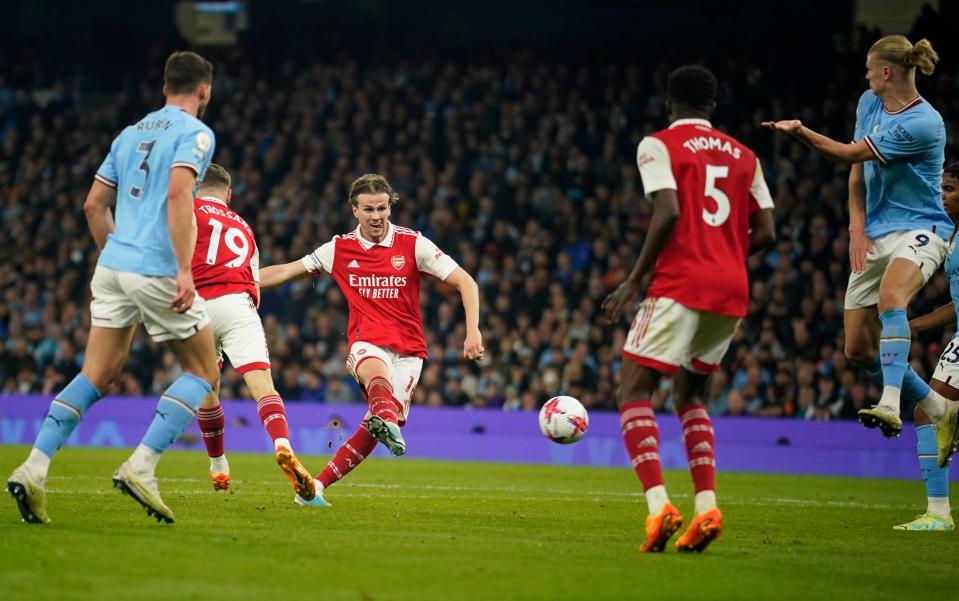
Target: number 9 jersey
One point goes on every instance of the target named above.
(226, 259)
(719, 184)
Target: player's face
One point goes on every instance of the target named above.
(950, 195)
(373, 213)
(876, 73)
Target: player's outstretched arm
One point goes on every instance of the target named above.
(97, 208)
(181, 222)
(940, 318)
(665, 216)
(469, 291)
(762, 230)
(837, 152)
(277, 275)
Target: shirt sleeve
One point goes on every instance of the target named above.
(107, 173)
(655, 168)
(759, 191)
(321, 259)
(255, 264)
(430, 259)
(194, 149)
(905, 137)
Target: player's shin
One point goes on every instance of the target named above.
(175, 410)
(383, 404)
(895, 341)
(64, 414)
(350, 454)
(934, 477)
(272, 413)
(641, 436)
(700, 452)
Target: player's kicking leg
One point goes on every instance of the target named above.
(375, 376)
(641, 437)
(105, 355)
(689, 393)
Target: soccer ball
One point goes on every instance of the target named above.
(563, 419)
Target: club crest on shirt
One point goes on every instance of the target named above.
(398, 261)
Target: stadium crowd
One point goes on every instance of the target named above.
(523, 169)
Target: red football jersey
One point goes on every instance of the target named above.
(381, 284)
(226, 259)
(719, 184)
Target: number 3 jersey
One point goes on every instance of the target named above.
(381, 283)
(138, 166)
(719, 184)
(226, 260)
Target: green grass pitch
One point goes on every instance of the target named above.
(419, 530)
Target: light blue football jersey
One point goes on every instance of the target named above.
(138, 166)
(902, 182)
(951, 267)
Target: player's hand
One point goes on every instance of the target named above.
(473, 345)
(859, 246)
(615, 303)
(789, 126)
(185, 292)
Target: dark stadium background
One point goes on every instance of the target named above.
(510, 130)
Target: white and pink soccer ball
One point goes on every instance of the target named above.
(563, 419)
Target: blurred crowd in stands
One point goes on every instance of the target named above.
(523, 169)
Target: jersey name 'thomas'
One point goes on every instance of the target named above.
(719, 184)
(381, 283)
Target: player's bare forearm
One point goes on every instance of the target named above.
(940, 318)
(97, 209)
(665, 216)
(762, 230)
(837, 152)
(857, 199)
(469, 292)
(277, 275)
(181, 220)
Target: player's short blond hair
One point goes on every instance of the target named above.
(897, 50)
(371, 183)
(216, 178)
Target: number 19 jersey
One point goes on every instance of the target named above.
(226, 259)
(138, 166)
(719, 184)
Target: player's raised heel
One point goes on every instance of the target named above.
(659, 529)
(221, 480)
(883, 418)
(299, 478)
(704, 529)
(142, 489)
(29, 495)
(387, 433)
(947, 433)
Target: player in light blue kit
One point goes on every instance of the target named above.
(945, 380)
(143, 275)
(898, 229)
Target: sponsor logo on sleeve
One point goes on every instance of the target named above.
(203, 142)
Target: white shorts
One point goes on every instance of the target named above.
(947, 369)
(922, 247)
(404, 371)
(667, 335)
(123, 298)
(238, 332)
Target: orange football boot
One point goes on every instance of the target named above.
(660, 527)
(299, 478)
(704, 529)
(221, 480)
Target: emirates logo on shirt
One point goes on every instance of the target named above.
(398, 261)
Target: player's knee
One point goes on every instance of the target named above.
(919, 417)
(891, 297)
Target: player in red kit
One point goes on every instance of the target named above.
(377, 267)
(226, 273)
(711, 208)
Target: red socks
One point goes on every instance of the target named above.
(382, 402)
(211, 427)
(273, 415)
(641, 436)
(700, 446)
(350, 454)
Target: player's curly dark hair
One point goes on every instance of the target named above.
(952, 170)
(693, 86)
